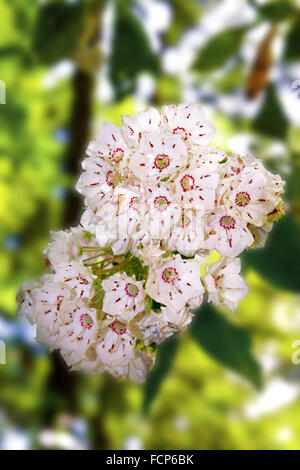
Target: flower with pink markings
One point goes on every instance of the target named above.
(115, 343)
(188, 236)
(41, 303)
(77, 277)
(250, 196)
(226, 233)
(76, 330)
(176, 282)
(157, 198)
(97, 181)
(159, 155)
(224, 284)
(66, 245)
(124, 296)
(133, 127)
(189, 122)
(163, 211)
(157, 326)
(111, 146)
(196, 187)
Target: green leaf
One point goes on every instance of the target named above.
(277, 11)
(57, 31)
(279, 261)
(292, 52)
(185, 16)
(227, 343)
(164, 360)
(131, 51)
(271, 119)
(292, 193)
(219, 49)
(134, 267)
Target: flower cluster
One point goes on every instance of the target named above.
(158, 199)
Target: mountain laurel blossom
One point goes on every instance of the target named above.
(158, 198)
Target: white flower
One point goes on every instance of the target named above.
(157, 197)
(275, 182)
(24, 300)
(249, 196)
(61, 249)
(66, 245)
(77, 277)
(196, 186)
(260, 234)
(188, 237)
(156, 327)
(137, 368)
(97, 181)
(212, 157)
(149, 252)
(235, 164)
(224, 284)
(76, 330)
(120, 246)
(124, 296)
(163, 212)
(226, 233)
(115, 345)
(110, 145)
(41, 303)
(133, 127)
(176, 282)
(189, 122)
(119, 219)
(90, 363)
(122, 213)
(106, 237)
(89, 219)
(159, 155)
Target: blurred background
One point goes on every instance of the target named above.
(68, 66)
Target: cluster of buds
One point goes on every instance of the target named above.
(158, 199)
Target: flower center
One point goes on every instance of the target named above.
(131, 289)
(118, 327)
(161, 203)
(227, 222)
(180, 131)
(86, 321)
(117, 155)
(187, 182)
(169, 275)
(242, 199)
(161, 161)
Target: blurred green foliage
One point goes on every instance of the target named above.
(131, 51)
(225, 342)
(165, 357)
(271, 120)
(197, 396)
(219, 49)
(57, 31)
